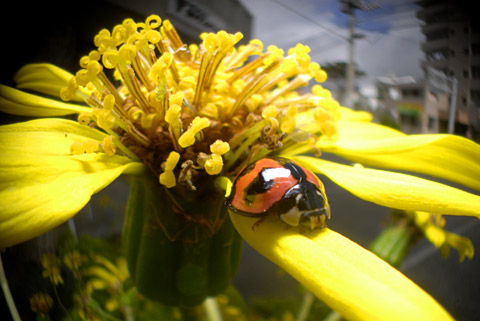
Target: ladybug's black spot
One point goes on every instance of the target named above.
(296, 171)
(258, 186)
(311, 198)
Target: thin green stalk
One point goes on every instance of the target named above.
(8, 294)
(60, 302)
(212, 309)
(307, 302)
(333, 316)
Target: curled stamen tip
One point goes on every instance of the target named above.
(109, 146)
(270, 111)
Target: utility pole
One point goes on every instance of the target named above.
(348, 7)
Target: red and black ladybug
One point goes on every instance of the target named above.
(280, 187)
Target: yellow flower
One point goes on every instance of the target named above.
(40, 303)
(51, 269)
(184, 114)
(105, 275)
(432, 227)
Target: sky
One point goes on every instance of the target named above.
(391, 42)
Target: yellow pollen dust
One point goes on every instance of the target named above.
(86, 147)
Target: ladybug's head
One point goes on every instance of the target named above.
(305, 204)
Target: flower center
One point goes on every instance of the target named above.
(208, 107)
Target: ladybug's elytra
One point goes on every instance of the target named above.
(280, 187)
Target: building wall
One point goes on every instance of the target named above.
(452, 46)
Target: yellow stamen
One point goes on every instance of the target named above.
(108, 146)
(289, 122)
(214, 164)
(167, 178)
(188, 138)
(109, 102)
(253, 102)
(105, 119)
(219, 147)
(316, 72)
(270, 111)
(84, 118)
(172, 117)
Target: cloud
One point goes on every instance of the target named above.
(391, 43)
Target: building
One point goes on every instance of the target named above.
(452, 50)
(402, 98)
(191, 17)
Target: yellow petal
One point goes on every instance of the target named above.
(41, 185)
(446, 156)
(44, 78)
(396, 190)
(354, 115)
(351, 280)
(17, 102)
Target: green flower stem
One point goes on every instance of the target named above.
(122, 147)
(393, 243)
(57, 296)
(190, 314)
(239, 151)
(8, 294)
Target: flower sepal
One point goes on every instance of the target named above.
(174, 256)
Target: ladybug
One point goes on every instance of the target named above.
(283, 188)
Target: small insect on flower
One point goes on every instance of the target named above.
(280, 187)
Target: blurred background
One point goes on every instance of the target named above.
(415, 65)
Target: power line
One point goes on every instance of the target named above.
(310, 20)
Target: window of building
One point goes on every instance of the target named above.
(410, 92)
(437, 35)
(475, 72)
(476, 49)
(438, 55)
(475, 97)
(438, 17)
(431, 122)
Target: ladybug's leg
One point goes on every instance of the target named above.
(258, 222)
